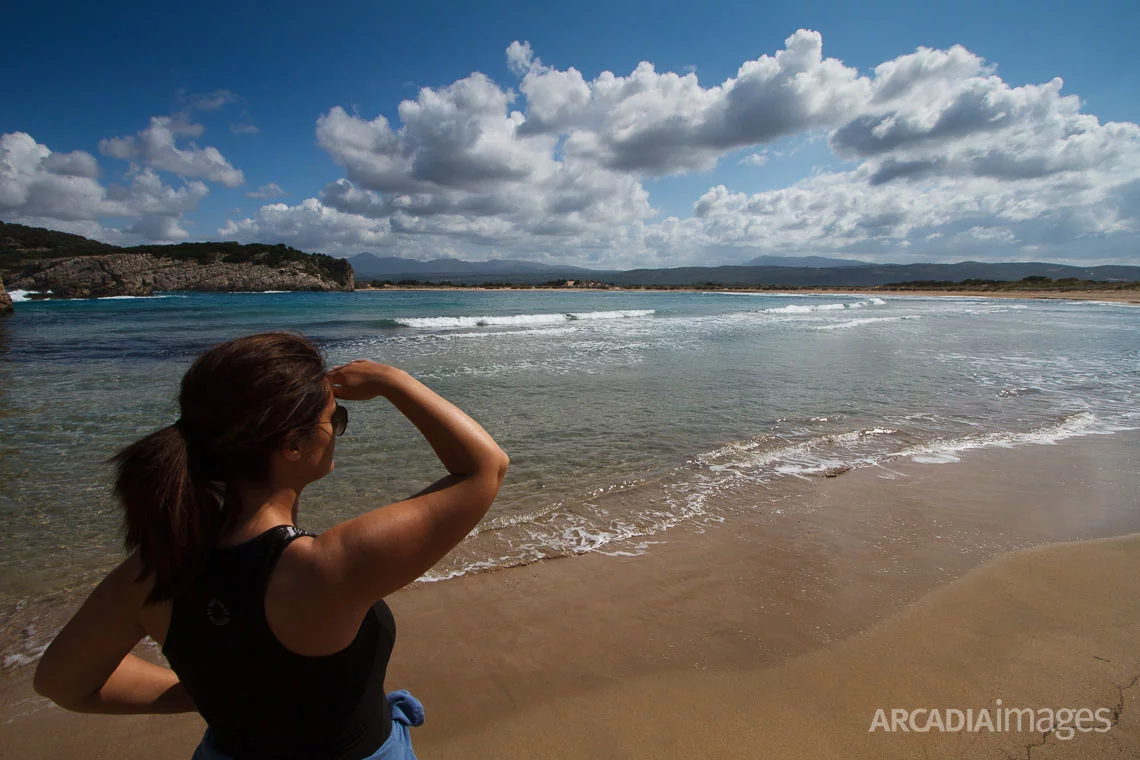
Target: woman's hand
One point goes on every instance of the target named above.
(361, 380)
(463, 447)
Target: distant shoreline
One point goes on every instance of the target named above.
(1130, 296)
(1122, 296)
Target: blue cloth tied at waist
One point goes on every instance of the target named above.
(407, 712)
(405, 708)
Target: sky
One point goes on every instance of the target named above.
(601, 134)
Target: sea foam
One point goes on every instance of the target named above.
(517, 320)
(863, 321)
(945, 451)
(807, 308)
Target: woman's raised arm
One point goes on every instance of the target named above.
(364, 559)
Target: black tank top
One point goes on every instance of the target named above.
(259, 699)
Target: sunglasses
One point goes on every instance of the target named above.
(339, 420)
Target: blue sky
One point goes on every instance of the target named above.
(881, 131)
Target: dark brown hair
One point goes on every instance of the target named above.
(239, 401)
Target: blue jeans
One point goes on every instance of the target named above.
(406, 712)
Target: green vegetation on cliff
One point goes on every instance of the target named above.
(20, 244)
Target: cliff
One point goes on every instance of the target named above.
(5, 301)
(74, 267)
(141, 274)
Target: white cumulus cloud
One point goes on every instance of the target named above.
(654, 122)
(61, 191)
(946, 113)
(310, 225)
(156, 147)
(948, 159)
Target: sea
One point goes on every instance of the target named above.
(625, 413)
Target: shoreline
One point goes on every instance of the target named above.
(1124, 296)
(730, 627)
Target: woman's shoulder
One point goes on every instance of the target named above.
(130, 580)
(306, 609)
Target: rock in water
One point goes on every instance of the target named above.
(5, 301)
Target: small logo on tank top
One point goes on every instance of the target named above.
(217, 612)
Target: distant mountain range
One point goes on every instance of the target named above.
(871, 274)
(367, 265)
(762, 270)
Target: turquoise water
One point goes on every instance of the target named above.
(624, 413)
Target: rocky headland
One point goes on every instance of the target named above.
(141, 274)
(58, 265)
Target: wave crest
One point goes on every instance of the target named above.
(516, 320)
(808, 308)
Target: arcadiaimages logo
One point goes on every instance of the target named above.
(1063, 722)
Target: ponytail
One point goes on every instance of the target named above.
(239, 401)
(172, 514)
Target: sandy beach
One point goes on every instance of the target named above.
(775, 633)
(1116, 296)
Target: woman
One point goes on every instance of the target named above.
(279, 638)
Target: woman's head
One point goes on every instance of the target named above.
(252, 409)
(244, 399)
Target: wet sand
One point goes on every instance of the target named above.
(777, 632)
(1052, 627)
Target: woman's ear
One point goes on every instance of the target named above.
(291, 447)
